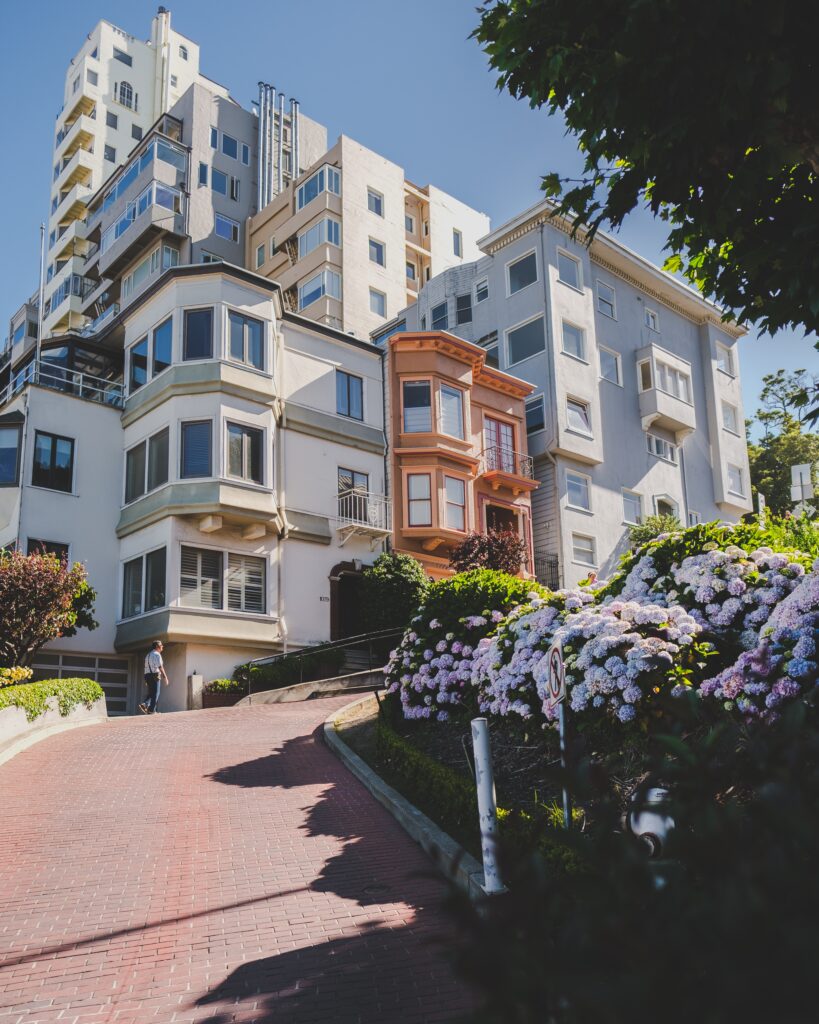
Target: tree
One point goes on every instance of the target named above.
(772, 457)
(781, 398)
(497, 549)
(710, 120)
(41, 598)
(394, 588)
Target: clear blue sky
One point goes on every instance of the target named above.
(402, 79)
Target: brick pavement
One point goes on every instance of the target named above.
(214, 866)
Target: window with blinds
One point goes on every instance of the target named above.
(246, 583)
(200, 582)
(195, 456)
(417, 406)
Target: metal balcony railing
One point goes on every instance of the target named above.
(70, 382)
(498, 459)
(365, 509)
(100, 321)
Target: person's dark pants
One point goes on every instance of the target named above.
(154, 684)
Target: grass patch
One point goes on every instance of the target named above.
(32, 697)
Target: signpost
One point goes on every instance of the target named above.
(556, 695)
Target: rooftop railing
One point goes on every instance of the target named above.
(70, 382)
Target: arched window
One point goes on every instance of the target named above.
(126, 94)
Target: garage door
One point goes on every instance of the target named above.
(112, 674)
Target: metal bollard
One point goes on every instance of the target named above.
(487, 808)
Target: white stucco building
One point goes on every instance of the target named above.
(220, 491)
(638, 405)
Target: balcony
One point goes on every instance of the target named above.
(100, 322)
(363, 514)
(67, 236)
(504, 467)
(73, 205)
(665, 392)
(157, 210)
(77, 135)
(69, 382)
(77, 169)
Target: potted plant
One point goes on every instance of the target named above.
(223, 693)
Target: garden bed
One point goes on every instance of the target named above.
(31, 711)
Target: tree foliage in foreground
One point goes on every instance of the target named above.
(41, 598)
(708, 116)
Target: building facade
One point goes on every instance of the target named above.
(458, 458)
(352, 240)
(220, 494)
(637, 405)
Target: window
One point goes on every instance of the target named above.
(661, 448)
(457, 242)
(665, 507)
(605, 299)
(730, 417)
(246, 340)
(463, 309)
(419, 500)
(327, 282)
(644, 370)
(124, 57)
(525, 341)
(132, 588)
(578, 416)
(197, 338)
(632, 508)
(375, 202)
(522, 273)
(426, 228)
(126, 95)
(440, 319)
(417, 406)
(573, 344)
(234, 189)
(110, 154)
(353, 491)
(47, 547)
(273, 247)
(725, 359)
(259, 255)
(325, 179)
(230, 146)
(652, 320)
(136, 132)
(578, 491)
(693, 518)
(535, 415)
(246, 584)
(568, 269)
(455, 491)
(138, 365)
(200, 579)
(377, 253)
(150, 455)
(111, 120)
(209, 257)
(174, 81)
(499, 444)
(195, 454)
(409, 224)
(245, 154)
(244, 452)
(326, 230)
(227, 228)
(481, 291)
(411, 272)
(183, 52)
(203, 173)
(219, 182)
(92, 77)
(53, 462)
(610, 365)
(452, 411)
(349, 395)
(735, 484)
(75, 85)
(673, 382)
(214, 138)
(378, 302)
(158, 452)
(9, 455)
(135, 473)
(583, 549)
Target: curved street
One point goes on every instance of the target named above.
(213, 866)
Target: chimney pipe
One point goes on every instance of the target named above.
(271, 110)
(280, 153)
(294, 139)
(260, 152)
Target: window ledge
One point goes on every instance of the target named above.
(579, 508)
(579, 433)
(608, 380)
(577, 359)
(53, 490)
(573, 288)
(509, 295)
(585, 565)
(726, 373)
(733, 433)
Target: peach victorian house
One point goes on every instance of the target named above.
(457, 447)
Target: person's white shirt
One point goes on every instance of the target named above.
(153, 663)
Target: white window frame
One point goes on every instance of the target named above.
(458, 243)
(379, 198)
(728, 357)
(735, 412)
(233, 223)
(611, 288)
(653, 441)
(446, 502)
(511, 263)
(694, 518)
(411, 229)
(577, 561)
(484, 281)
(618, 362)
(731, 490)
(625, 492)
(260, 255)
(539, 399)
(580, 358)
(585, 482)
(375, 293)
(675, 505)
(565, 252)
(587, 406)
(515, 327)
(377, 242)
(669, 380)
(651, 318)
(324, 275)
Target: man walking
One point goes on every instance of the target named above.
(154, 674)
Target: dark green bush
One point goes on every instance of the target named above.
(226, 686)
(474, 593)
(295, 668)
(32, 697)
(393, 588)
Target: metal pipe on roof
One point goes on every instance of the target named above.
(280, 151)
(271, 185)
(294, 139)
(260, 152)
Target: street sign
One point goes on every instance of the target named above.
(801, 483)
(556, 680)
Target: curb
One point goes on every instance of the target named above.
(451, 858)
(28, 740)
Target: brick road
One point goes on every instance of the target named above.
(214, 866)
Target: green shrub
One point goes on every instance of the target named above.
(32, 697)
(393, 588)
(298, 667)
(651, 527)
(475, 592)
(226, 686)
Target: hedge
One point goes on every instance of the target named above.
(32, 697)
(225, 686)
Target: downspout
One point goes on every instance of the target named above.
(280, 149)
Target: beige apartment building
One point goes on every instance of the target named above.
(352, 241)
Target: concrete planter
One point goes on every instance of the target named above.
(17, 733)
(220, 700)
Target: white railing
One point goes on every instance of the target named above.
(506, 460)
(95, 325)
(366, 510)
(70, 382)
